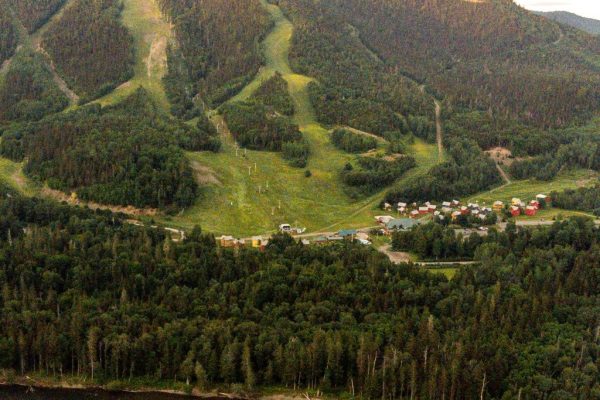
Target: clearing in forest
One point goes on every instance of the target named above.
(260, 190)
(151, 34)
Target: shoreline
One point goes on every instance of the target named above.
(28, 382)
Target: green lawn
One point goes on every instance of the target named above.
(151, 35)
(11, 173)
(448, 272)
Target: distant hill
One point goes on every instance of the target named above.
(585, 24)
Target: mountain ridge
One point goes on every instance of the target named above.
(589, 25)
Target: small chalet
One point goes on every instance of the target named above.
(414, 214)
(542, 198)
(515, 211)
(535, 203)
(227, 241)
(465, 210)
(402, 205)
(498, 206)
(424, 210)
(531, 211)
(383, 219)
(348, 233)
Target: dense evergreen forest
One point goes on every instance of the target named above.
(216, 52)
(373, 173)
(581, 151)
(257, 127)
(468, 170)
(489, 55)
(88, 295)
(34, 13)
(352, 142)
(274, 92)
(355, 87)
(9, 37)
(28, 92)
(582, 199)
(128, 154)
(91, 48)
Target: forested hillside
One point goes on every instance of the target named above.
(128, 154)
(355, 87)
(585, 24)
(90, 47)
(489, 55)
(28, 92)
(34, 13)
(217, 49)
(8, 35)
(107, 300)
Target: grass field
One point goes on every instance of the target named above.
(242, 204)
(11, 173)
(151, 35)
(448, 272)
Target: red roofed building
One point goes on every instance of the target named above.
(530, 211)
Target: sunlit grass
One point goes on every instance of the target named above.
(151, 34)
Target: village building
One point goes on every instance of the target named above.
(455, 215)
(423, 210)
(465, 210)
(348, 234)
(530, 211)
(227, 241)
(447, 204)
(414, 214)
(362, 236)
(401, 224)
(542, 198)
(515, 211)
(402, 205)
(498, 206)
(383, 219)
(535, 203)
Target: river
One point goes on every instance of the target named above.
(16, 392)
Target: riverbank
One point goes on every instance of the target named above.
(36, 387)
(158, 390)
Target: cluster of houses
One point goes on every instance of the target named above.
(454, 208)
(518, 207)
(257, 242)
(260, 242)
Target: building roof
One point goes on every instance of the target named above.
(347, 232)
(402, 223)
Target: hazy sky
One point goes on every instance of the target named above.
(586, 8)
